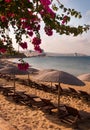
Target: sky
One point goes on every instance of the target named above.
(70, 44)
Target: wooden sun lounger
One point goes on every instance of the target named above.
(21, 98)
(48, 106)
(33, 100)
(63, 91)
(84, 95)
(72, 116)
(7, 90)
(74, 93)
(1, 88)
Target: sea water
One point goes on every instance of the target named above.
(75, 65)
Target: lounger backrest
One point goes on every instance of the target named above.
(73, 90)
(83, 93)
(72, 111)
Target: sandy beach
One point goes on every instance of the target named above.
(15, 116)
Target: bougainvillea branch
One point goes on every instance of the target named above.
(26, 17)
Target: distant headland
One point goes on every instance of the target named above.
(35, 54)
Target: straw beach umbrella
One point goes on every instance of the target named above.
(45, 71)
(40, 72)
(13, 70)
(59, 77)
(84, 77)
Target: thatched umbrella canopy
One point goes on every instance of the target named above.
(59, 77)
(13, 70)
(84, 77)
(45, 71)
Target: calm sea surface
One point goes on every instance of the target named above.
(73, 64)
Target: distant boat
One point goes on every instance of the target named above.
(75, 54)
(79, 54)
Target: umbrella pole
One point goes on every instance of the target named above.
(58, 97)
(51, 85)
(14, 84)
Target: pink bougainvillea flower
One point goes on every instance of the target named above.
(30, 33)
(42, 12)
(23, 66)
(28, 27)
(37, 27)
(8, 1)
(37, 48)
(64, 20)
(23, 45)
(3, 18)
(48, 31)
(36, 41)
(3, 50)
(24, 23)
(45, 2)
(23, 19)
(51, 12)
(10, 15)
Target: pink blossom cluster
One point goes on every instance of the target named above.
(23, 45)
(8, 1)
(11, 15)
(48, 31)
(3, 18)
(32, 24)
(23, 66)
(45, 2)
(3, 50)
(47, 9)
(64, 20)
(36, 42)
(30, 33)
(37, 48)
